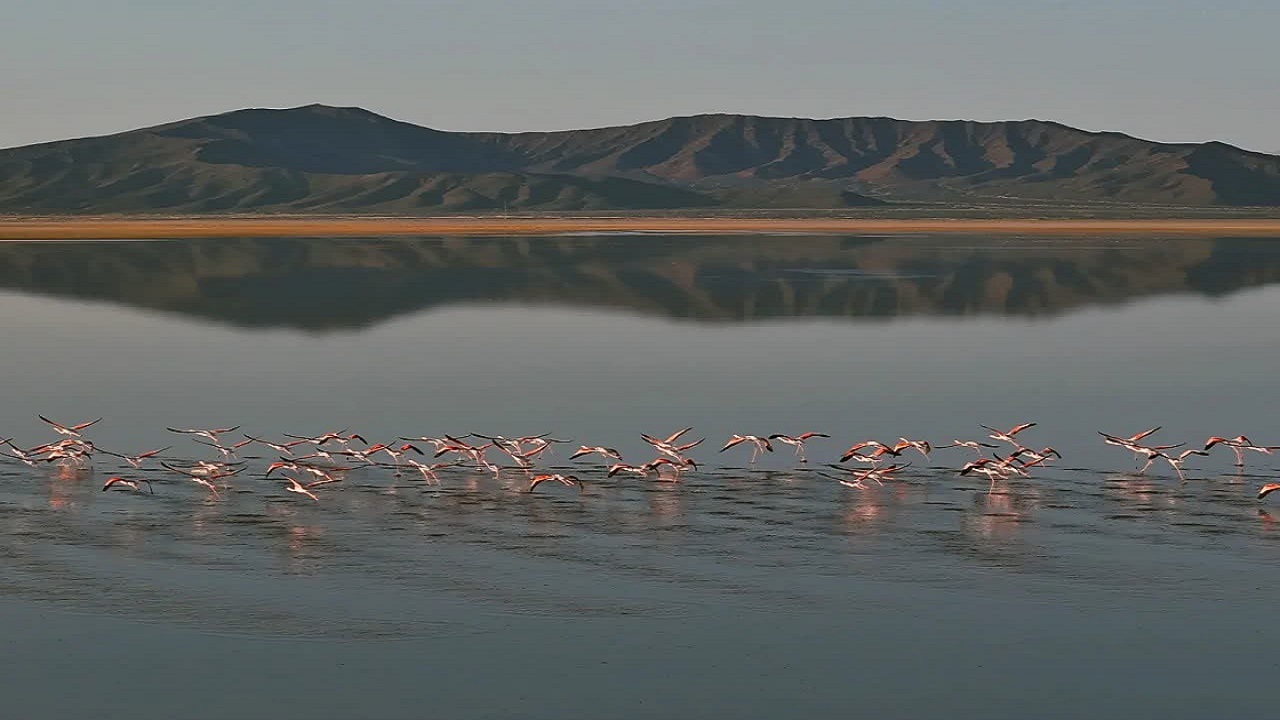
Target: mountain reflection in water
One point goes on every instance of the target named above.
(324, 284)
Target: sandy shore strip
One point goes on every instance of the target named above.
(123, 228)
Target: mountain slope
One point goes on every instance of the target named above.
(319, 158)
(935, 160)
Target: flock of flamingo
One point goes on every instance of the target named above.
(308, 464)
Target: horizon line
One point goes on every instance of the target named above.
(295, 108)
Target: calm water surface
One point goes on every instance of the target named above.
(1086, 590)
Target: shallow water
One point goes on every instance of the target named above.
(750, 592)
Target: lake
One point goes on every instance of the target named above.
(1086, 589)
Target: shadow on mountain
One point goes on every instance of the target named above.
(320, 159)
(346, 284)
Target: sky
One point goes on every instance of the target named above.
(1168, 70)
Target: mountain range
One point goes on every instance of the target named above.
(348, 160)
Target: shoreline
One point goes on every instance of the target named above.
(147, 228)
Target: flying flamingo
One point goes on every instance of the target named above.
(136, 460)
(921, 446)
(19, 454)
(1152, 453)
(112, 482)
(668, 448)
(339, 437)
(670, 439)
(324, 474)
(516, 446)
(1033, 457)
(203, 473)
(1007, 436)
(879, 475)
(1139, 451)
(993, 468)
(1176, 462)
(758, 443)
(296, 487)
(428, 471)
(854, 483)
(597, 450)
(69, 431)
(798, 442)
(880, 449)
(286, 448)
(678, 467)
(973, 445)
(641, 470)
(569, 480)
(1128, 442)
(228, 451)
(212, 434)
(1238, 445)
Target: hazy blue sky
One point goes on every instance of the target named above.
(1162, 69)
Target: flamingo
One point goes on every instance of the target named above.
(136, 460)
(212, 434)
(678, 467)
(451, 444)
(69, 431)
(324, 474)
(71, 449)
(854, 483)
(758, 443)
(880, 449)
(993, 468)
(973, 445)
(874, 459)
(204, 473)
(338, 437)
(671, 450)
(286, 448)
(673, 437)
(1152, 453)
(428, 471)
(1144, 434)
(523, 458)
(921, 446)
(1139, 451)
(879, 475)
(1176, 462)
(19, 454)
(1238, 445)
(597, 450)
(1007, 436)
(569, 480)
(112, 482)
(296, 487)
(1036, 458)
(228, 452)
(538, 443)
(798, 442)
(641, 470)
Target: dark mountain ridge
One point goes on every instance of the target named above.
(327, 159)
